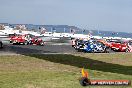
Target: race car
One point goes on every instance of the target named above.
(1, 44)
(37, 41)
(79, 45)
(105, 42)
(19, 39)
(94, 46)
(73, 42)
(129, 46)
(26, 39)
(119, 45)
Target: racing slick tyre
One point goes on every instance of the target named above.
(1, 45)
(26, 43)
(30, 42)
(107, 50)
(84, 81)
(93, 51)
(78, 50)
(84, 51)
(11, 42)
(127, 50)
(42, 43)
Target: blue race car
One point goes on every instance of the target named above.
(94, 46)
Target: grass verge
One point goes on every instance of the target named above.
(62, 71)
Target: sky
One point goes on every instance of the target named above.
(108, 15)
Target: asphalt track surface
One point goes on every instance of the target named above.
(36, 49)
(50, 48)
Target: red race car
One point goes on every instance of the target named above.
(119, 45)
(19, 39)
(37, 41)
(26, 39)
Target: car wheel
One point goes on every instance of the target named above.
(41, 43)
(26, 43)
(11, 42)
(107, 50)
(78, 50)
(127, 50)
(93, 51)
(1, 45)
(84, 51)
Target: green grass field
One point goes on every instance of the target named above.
(62, 71)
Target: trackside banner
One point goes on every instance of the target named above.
(110, 82)
(85, 81)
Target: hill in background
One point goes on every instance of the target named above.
(67, 29)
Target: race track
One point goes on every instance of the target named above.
(50, 48)
(36, 49)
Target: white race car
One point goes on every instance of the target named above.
(129, 46)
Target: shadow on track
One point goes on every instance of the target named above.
(86, 63)
(73, 60)
(22, 49)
